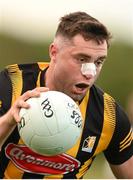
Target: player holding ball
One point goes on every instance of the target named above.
(77, 55)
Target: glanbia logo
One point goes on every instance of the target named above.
(30, 161)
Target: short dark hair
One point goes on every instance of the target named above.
(84, 24)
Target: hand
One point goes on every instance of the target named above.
(21, 103)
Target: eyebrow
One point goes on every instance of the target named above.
(89, 57)
(102, 57)
(83, 55)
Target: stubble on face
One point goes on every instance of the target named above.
(62, 80)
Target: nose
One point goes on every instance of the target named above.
(88, 70)
(89, 76)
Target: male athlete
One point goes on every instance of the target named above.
(77, 55)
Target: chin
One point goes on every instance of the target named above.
(77, 97)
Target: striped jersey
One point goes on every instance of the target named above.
(105, 129)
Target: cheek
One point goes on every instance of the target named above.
(74, 67)
(69, 66)
(98, 72)
(62, 70)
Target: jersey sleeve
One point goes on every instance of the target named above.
(120, 148)
(5, 92)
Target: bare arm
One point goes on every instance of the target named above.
(123, 171)
(9, 120)
(6, 127)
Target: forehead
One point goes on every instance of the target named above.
(80, 43)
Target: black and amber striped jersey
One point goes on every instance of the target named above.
(105, 129)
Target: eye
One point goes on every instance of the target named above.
(99, 62)
(82, 59)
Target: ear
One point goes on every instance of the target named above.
(52, 51)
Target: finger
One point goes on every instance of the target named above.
(22, 104)
(34, 93)
(42, 89)
(16, 116)
(29, 94)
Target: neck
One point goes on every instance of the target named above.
(48, 79)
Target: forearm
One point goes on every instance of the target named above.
(9, 120)
(7, 124)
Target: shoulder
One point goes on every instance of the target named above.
(5, 81)
(16, 79)
(101, 95)
(25, 75)
(108, 100)
(14, 68)
(5, 91)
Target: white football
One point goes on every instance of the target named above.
(52, 125)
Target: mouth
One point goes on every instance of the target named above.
(80, 87)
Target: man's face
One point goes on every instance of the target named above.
(67, 61)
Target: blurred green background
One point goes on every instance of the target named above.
(116, 77)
